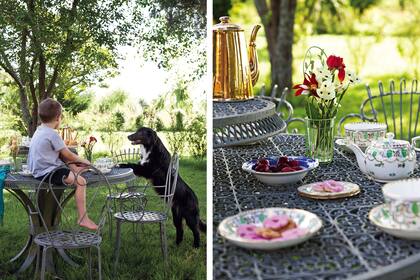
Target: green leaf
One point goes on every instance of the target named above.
(415, 208)
(242, 220)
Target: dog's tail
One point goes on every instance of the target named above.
(202, 226)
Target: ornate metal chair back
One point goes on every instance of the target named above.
(52, 199)
(127, 155)
(398, 108)
(283, 107)
(170, 184)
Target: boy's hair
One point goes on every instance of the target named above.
(49, 109)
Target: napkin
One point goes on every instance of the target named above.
(3, 174)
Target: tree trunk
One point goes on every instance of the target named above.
(282, 68)
(278, 21)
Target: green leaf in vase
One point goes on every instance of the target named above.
(242, 220)
(415, 208)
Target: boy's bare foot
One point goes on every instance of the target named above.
(88, 223)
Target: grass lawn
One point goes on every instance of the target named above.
(140, 258)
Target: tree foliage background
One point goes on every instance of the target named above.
(58, 49)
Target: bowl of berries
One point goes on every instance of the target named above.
(275, 170)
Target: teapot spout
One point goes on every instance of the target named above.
(360, 156)
(253, 57)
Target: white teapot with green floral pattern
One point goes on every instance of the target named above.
(387, 159)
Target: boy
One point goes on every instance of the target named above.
(47, 151)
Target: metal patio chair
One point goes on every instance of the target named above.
(398, 109)
(59, 228)
(132, 189)
(283, 107)
(133, 210)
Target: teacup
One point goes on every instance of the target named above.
(25, 168)
(403, 200)
(363, 133)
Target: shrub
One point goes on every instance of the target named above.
(159, 125)
(176, 141)
(196, 137)
(118, 120)
(139, 122)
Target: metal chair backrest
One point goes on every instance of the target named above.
(283, 107)
(127, 155)
(171, 181)
(398, 109)
(55, 196)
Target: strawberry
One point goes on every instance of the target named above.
(287, 169)
(293, 163)
(282, 160)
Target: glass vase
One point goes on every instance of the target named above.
(320, 139)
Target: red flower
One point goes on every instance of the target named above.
(309, 86)
(336, 62)
(92, 139)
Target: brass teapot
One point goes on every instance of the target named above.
(235, 67)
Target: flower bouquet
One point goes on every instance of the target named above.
(326, 81)
(88, 147)
(14, 151)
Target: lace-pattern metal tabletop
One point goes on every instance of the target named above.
(243, 122)
(348, 245)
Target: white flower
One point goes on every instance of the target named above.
(352, 77)
(322, 74)
(326, 90)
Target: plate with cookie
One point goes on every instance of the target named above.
(270, 228)
(329, 189)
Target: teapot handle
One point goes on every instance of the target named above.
(413, 143)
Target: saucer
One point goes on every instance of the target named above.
(350, 189)
(303, 219)
(25, 174)
(380, 217)
(105, 171)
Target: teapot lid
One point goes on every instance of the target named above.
(225, 25)
(390, 143)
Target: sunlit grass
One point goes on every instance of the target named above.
(140, 258)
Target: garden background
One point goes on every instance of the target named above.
(378, 39)
(115, 66)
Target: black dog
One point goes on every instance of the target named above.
(154, 164)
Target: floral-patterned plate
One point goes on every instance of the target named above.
(305, 220)
(350, 189)
(381, 218)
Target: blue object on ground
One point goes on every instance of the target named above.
(3, 174)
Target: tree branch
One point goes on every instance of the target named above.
(5, 64)
(67, 48)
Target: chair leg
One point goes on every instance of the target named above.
(117, 245)
(110, 220)
(99, 262)
(38, 259)
(164, 245)
(44, 262)
(90, 262)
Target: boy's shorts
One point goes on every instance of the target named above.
(57, 178)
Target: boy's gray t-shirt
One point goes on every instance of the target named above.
(44, 151)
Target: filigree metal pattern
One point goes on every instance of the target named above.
(245, 122)
(348, 244)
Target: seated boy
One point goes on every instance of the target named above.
(48, 151)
